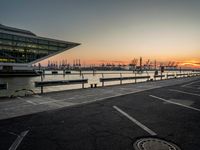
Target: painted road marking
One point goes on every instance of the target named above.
(86, 102)
(108, 97)
(71, 98)
(18, 140)
(37, 96)
(135, 121)
(31, 102)
(57, 102)
(175, 103)
(52, 101)
(20, 98)
(185, 92)
(189, 83)
(94, 100)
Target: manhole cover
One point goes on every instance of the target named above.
(154, 144)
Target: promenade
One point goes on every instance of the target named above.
(19, 106)
(111, 117)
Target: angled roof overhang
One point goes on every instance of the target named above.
(29, 34)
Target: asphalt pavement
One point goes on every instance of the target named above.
(171, 113)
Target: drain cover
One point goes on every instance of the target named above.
(154, 144)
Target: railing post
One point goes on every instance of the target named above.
(135, 78)
(102, 80)
(41, 89)
(93, 72)
(63, 73)
(120, 78)
(42, 81)
(82, 82)
(43, 73)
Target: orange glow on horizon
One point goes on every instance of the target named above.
(98, 56)
(191, 63)
(86, 62)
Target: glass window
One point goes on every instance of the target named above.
(19, 49)
(22, 44)
(1, 35)
(32, 45)
(14, 43)
(62, 44)
(7, 36)
(19, 38)
(31, 40)
(53, 48)
(5, 42)
(53, 43)
(42, 46)
(33, 51)
(43, 52)
(42, 41)
(7, 48)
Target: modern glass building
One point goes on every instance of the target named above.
(22, 47)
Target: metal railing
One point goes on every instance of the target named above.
(93, 79)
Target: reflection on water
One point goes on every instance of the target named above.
(17, 83)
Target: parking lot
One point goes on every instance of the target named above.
(170, 113)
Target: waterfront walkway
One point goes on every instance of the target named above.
(20, 106)
(108, 118)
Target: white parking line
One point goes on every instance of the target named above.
(175, 103)
(37, 96)
(18, 140)
(52, 101)
(189, 83)
(135, 121)
(184, 92)
(28, 101)
(20, 98)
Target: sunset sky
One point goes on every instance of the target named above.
(113, 30)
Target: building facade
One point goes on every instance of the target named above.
(23, 48)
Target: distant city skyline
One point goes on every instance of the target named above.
(113, 30)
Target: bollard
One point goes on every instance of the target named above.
(91, 85)
(95, 85)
